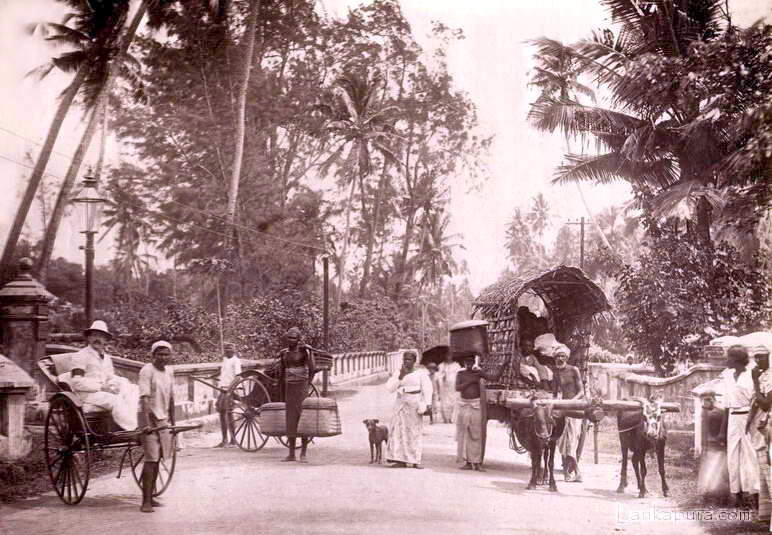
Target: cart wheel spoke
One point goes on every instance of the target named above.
(243, 413)
(66, 450)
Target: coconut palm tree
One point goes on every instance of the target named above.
(103, 65)
(93, 31)
(360, 128)
(539, 216)
(126, 214)
(646, 137)
(434, 258)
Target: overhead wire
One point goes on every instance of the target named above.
(15, 134)
(205, 229)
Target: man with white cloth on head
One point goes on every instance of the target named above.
(99, 386)
(737, 389)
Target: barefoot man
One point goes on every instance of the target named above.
(569, 386)
(155, 391)
(231, 368)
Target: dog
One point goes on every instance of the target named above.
(378, 434)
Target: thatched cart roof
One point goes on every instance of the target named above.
(566, 291)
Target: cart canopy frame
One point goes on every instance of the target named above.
(572, 300)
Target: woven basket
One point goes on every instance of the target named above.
(319, 418)
(273, 419)
(323, 362)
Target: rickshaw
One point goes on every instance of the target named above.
(571, 304)
(250, 391)
(74, 430)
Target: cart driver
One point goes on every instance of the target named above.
(568, 385)
(155, 391)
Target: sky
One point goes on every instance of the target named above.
(491, 64)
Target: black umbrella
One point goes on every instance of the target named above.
(435, 354)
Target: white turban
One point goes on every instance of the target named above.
(159, 344)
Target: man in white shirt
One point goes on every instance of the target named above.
(99, 385)
(156, 387)
(231, 368)
(737, 388)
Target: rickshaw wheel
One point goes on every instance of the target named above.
(166, 467)
(312, 391)
(246, 395)
(68, 455)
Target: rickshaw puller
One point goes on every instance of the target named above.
(155, 390)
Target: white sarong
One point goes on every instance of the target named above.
(741, 458)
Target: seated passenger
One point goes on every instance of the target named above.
(544, 374)
(99, 385)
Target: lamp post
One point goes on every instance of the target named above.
(90, 205)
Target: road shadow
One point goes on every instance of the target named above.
(611, 494)
(112, 501)
(509, 487)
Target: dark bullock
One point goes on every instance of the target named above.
(639, 432)
(538, 429)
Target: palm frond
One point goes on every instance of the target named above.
(681, 199)
(41, 71)
(66, 35)
(552, 114)
(612, 166)
(69, 61)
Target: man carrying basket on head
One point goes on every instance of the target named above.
(296, 371)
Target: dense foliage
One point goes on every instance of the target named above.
(685, 97)
(679, 296)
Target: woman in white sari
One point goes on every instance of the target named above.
(414, 398)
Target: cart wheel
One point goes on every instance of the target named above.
(312, 392)
(165, 467)
(68, 456)
(246, 395)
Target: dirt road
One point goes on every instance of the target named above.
(234, 492)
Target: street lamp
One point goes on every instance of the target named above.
(90, 204)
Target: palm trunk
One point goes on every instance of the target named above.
(372, 230)
(344, 253)
(233, 190)
(69, 179)
(704, 212)
(401, 275)
(102, 142)
(63, 198)
(40, 167)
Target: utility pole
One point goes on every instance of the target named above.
(585, 423)
(581, 240)
(326, 316)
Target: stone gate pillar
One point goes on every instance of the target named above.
(24, 320)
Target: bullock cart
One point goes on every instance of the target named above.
(562, 301)
(74, 431)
